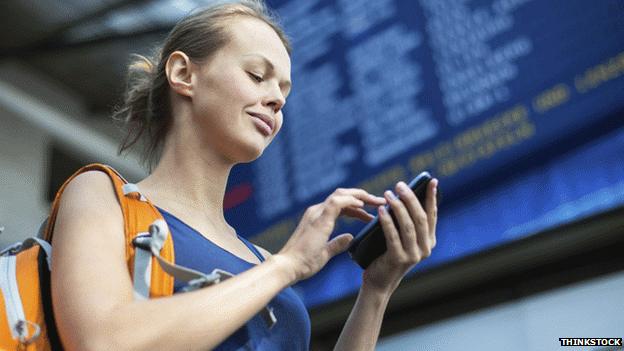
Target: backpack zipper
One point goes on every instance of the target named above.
(12, 300)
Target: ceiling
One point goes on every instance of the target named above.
(85, 45)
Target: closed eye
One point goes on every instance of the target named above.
(256, 77)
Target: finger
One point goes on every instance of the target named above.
(393, 242)
(410, 200)
(407, 231)
(339, 244)
(312, 212)
(363, 195)
(432, 211)
(418, 216)
(357, 213)
(334, 204)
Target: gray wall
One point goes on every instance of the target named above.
(34, 112)
(593, 308)
(23, 156)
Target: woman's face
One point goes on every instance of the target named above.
(239, 93)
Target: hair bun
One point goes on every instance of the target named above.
(142, 64)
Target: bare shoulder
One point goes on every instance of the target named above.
(91, 185)
(89, 274)
(89, 190)
(263, 251)
(89, 201)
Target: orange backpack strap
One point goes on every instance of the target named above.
(149, 246)
(138, 214)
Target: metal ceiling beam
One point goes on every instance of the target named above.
(47, 48)
(68, 131)
(103, 11)
(55, 40)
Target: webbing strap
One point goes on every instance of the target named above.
(13, 302)
(195, 279)
(10, 250)
(45, 246)
(10, 292)
(27, 244)
(130, 188)
(142, 273)
(147, 246)
(152, 242)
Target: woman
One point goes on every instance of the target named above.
(214, 100)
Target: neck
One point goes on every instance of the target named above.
(190, 182)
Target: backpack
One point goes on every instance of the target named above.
(26, 319)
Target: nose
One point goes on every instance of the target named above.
(275, 100)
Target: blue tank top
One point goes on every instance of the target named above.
(292, 330)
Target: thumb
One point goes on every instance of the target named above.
(339, 244)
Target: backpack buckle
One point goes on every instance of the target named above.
(143, 241)
(22, 328)
(12, 250)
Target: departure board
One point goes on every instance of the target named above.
(488, 96)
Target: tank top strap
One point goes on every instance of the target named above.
(251, 247)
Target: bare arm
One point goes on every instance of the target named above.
(93, 295)
(407, 245)
(364, 323)
(92, 290)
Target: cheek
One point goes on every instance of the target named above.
(279, 121)
(232, 89)
(239, 88)
(246, 92)
(224, 101)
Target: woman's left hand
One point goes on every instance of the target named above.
(406, 245)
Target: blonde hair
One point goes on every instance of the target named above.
(145, 112)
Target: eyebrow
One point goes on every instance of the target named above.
(285, 84)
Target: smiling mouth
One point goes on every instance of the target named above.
(263, 123)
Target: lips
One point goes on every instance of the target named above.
(265, 120)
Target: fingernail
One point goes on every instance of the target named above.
(382, 209)
(391, 195)
(403, 187)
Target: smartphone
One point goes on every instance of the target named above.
(370, 242)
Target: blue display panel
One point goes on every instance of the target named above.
(507, 102)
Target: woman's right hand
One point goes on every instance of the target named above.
(308, 249)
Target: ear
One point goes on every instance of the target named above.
(179, 72)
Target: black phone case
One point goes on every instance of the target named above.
(370, 242)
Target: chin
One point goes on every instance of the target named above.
(251, 158)
(248, 152)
